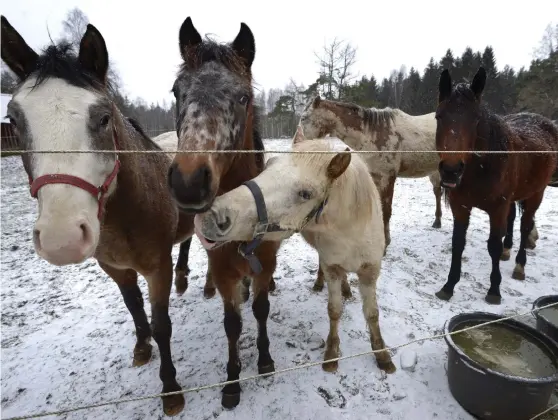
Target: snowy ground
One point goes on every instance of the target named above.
(67, 337)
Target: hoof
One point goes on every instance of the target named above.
(493, 299)
(173, 404)
(443, 295)
(180, 282)
(272, 285)
(518, 275)
(142, 354)
(330, 366)
(318, 287)
(208, 292)
(437, 224)
(266, 369)
(245, 296)
(230, 401)
(505, 255)
(387, 367)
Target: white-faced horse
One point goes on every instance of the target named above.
(114, 207)
(333, 202)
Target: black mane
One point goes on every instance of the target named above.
(210, 50)
(60, 61)
(147, 141)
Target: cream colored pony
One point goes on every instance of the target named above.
(380, 129)
(348, 233)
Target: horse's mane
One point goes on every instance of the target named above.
(210, 50)
(257, 138)
(60, 61)
(146, 140)
(354, 187)
(372, 117)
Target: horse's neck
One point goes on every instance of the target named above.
(242, 169)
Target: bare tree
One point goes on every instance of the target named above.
(336, 60)
(74, 25)
(548, 44)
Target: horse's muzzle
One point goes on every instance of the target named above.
(192, 192)
(451, 174)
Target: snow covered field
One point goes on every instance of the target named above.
(67, 337)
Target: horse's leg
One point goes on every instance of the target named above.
(229, 291)
(209, 287)
(498, 217)
(160, 284)
(319, 284)
(368, 277)
(181, 270)
(533, 237)
(508, 239)
(527, 221)
(461, 217)
(127, 281)
(334, 276)
(260, 308)
(385, 185)
(437, 189)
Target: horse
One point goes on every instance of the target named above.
(336, 207)
(376, 130)
(63, 102)
(215, 111)
(490, 182)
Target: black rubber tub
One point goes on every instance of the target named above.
(543, 324)
(488, 394)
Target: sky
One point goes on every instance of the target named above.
(142, 36)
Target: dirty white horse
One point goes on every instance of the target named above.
(334, 203)
(380, 129)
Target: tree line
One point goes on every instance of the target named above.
(532, 89)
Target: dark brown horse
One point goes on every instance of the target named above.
(215, 111)
(490, 182)
(129, 223)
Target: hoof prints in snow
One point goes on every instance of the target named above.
(68, 339)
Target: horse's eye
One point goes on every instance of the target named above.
(12, 121)
(243, 99)
(305, 194)
(105, 120)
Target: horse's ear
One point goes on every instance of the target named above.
(444, 86)
(188, 37)
(299, 135)
(245, 45)
(93, 54)
(19, 56)
(316, 102)
(338, 164)
(477, 86)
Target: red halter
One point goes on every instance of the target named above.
(98, 192)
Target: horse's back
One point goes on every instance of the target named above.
(535, 131)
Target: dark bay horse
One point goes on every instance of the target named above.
(215, 111)
(114, 208)
(490, 182)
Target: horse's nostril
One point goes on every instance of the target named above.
(224, 225)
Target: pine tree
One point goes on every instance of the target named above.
(428, 93)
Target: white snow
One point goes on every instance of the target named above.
(408, 360)
(67, 337)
